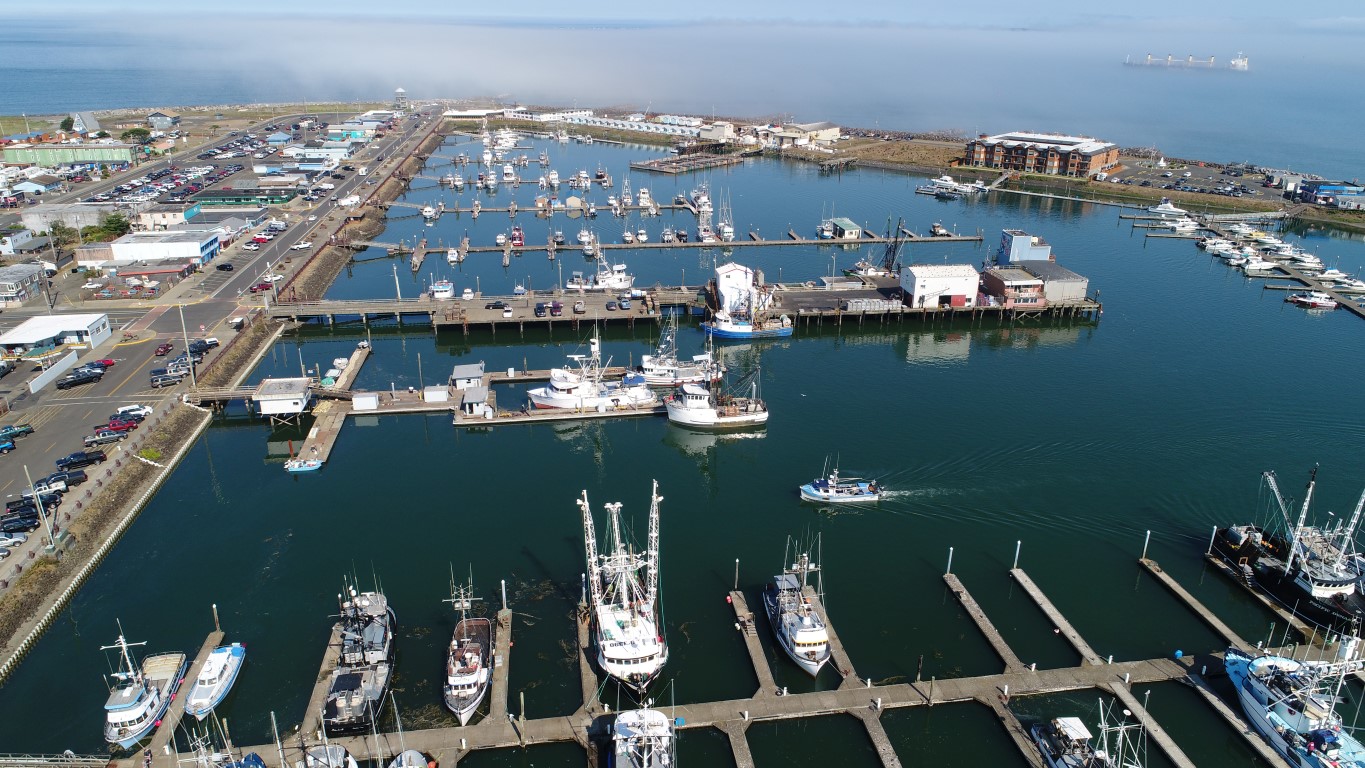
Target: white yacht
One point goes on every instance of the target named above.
(1167, 208)
(141, 694)
(643, 198)
(584, 389)
(798, 627)
(509, 174)
(442, 290)
(643, 738)
(664, 369)
(428, 212)
(641, 236)
(468, 672)
(623, 591)
(215, 679)
(553, 178)
(613, 279)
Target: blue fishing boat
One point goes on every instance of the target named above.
(215, 679)
(302, 465)
(832, 489)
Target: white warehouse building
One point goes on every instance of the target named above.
(940, 285)
(198, 247)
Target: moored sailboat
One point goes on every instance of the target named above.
(623, 598)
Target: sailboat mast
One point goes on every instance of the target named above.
(652, 545)
(1349, 534)
(590, 545)
(1298, 527)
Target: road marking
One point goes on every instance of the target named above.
(136, 369)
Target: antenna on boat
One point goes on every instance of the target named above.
(652, 544)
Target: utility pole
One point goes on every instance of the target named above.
(189, 357)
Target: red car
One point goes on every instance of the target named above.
(164, 349)
(106, 362)
(259, 287)
(260, 239)
(116, 425)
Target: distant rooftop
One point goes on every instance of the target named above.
(1044, 140)
(1013, 275)
(1049, 271)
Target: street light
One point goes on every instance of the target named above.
(189, 356)
(42, 513)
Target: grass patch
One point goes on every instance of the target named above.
(11, 125)
(150, 454)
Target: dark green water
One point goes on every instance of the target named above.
(1073, 439)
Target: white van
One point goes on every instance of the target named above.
(364, 171)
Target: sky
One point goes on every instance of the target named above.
(1328, 15)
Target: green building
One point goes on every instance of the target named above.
(252, 197)
(53, 155)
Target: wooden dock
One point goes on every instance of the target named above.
(312, 716)
(1055, 616)
(1306, 631)
(842, 663)
(329, 418)
(502, 663)
(686, 163)
(1209, 617)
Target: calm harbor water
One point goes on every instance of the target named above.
(1074, 439)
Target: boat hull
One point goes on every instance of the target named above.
(749, 332)
(811, 666)
(220, 691)
(709, 419)
(167, 685)
(811, 493)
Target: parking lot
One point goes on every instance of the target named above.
(1199, 180)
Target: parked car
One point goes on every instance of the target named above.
(258, 287)
(71, 477)
(224, 267)
(21, 525)
(495, 305)
(164, 349)
(301, 246)
(77, 379)
(611, 306)
(157, 382)
(12, 539)
(506, 311)
(624, 304)
(44, 485)
(103, 437)
(541, 309)
(556, 309)
(7, 446)
(15, 430)
(81, 459)
(116, 425)
(126, 410)
(251, 247)
(104, 363)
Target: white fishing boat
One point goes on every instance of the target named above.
(442, 290)
(706, 407)
(583, 388)
(1065, 742)
(641, 235)
(643, 738)
(215, 679)
(1167, 208)
(584, 236)
(798, 627)
(140, 694)
(613, 279)
(832, 489)
(623, 590)
(328, 756)
(1312, 300)
(468, 673)
(454, 256)
(428, 212)
(1292, 704)
(643, 198)
(667, 235)
(553, 178)
(457, 181)
(627, 237)
(500, 238)
(509, 174)
(744, 310)
(664, 369)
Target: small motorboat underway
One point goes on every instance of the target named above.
(642, 738)
(215, 679)
(302, 465)
(140, 695)
(1313, 300)
(834, 490)
(799, 629)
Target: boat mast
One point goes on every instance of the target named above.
(652, 545)
(123, 645)
(1303, 516)
(590, 545)
(1349, 534)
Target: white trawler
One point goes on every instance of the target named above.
(664, 369)
(643, 738)
(468, 672)
(584, 388)
(140, 694)
(707, 407)
(623, 595)
(799, 629)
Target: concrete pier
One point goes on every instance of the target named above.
(1055, 616)
(1020, 735)
(1012, 661)
(1234, 720)
(739, 744)
(502, 662)
(748, 630)
(587, 676)
(1155, 732)
(329, 418)
(871, 719)
(312, 716)
(1302, 627)
(842, 663)
(1208, 616)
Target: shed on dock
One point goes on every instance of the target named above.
(1059, 283)
(467, 375)
(365, 401)
(283, 399)
(845, 229)
(474, 403)
(436, 394)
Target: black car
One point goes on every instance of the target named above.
(70, 477)
(78, 378)
(495, 305)
(19, 525)
(339, 176)
(81, 459)
(224, 267)
(540, 309)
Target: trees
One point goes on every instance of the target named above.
(61, 234)
(113, 226)
(67, 123)
(136, 135)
